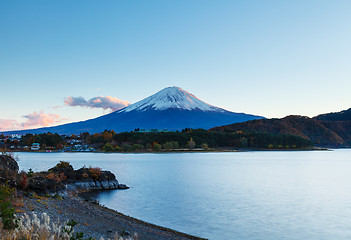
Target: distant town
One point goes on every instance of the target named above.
(150, 140)
(52, 142)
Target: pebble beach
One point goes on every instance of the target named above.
(94, 220)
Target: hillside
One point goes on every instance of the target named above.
(336, 116)
(321, 133)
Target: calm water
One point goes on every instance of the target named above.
(248, 195)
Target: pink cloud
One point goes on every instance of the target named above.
(34, 119)
(9, 124)
(40, 119)
(108, 102)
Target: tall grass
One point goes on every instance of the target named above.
(32, 227)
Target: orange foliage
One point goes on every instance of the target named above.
(57, 177)
(95, 172)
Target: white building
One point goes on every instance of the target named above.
(18, 136)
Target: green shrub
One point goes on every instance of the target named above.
(117, 149)
(30, 173)
(157, 147)
(175, 144)
(7, 212)
(168, 146)
(148, 146)
(108, 147)
(127, 148)
(138, 147)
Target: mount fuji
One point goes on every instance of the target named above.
(171, 108)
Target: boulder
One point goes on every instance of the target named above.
(41, 184)
(8, 170)
(63, 176)
(93, 185)
(122, 186)
(8, 163)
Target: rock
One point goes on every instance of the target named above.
(63, 176)
(65, 168)
(91, 185)
(9, 170)
(8, 163)
(41, 184)
(110, 230)
(122, 186)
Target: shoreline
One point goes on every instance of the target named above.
(139, 221)
(194, 151)
(95, 220)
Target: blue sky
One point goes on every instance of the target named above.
(270, 58)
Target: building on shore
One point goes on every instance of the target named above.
(35, 147)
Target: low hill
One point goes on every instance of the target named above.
(320, 132)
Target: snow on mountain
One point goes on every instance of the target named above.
(171, 108)
(171, 98)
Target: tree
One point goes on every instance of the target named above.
(243, 142)
(148, 146)
(157, 147)
(95, 138)
(191, 144)
(175, 144)
(204, 146)
(106, 136)
(7, 212)
(84, 135)
(117, 149)
(168, 146)
(108, 147)
(138, 147)
(126, 147)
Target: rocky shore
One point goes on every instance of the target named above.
(55, 193)
(94, 220)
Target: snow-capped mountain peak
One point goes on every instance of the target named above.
(171, 108)
(171, 98)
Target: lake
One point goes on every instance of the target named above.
(240, 195)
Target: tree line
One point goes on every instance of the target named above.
(156, 141)
(200, 138)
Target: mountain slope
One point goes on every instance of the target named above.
(171, 108)
(321, 133)
(336, 116)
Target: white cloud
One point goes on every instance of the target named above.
(108, 102)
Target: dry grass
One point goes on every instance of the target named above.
(32, 227)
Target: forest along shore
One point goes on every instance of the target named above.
(94, 220)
